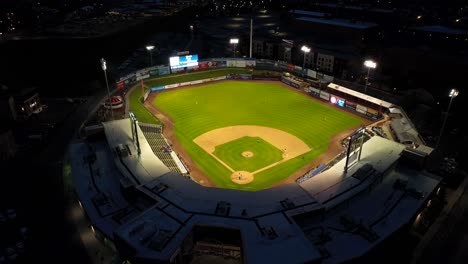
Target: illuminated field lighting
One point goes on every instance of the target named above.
(234, 41)
(305, 49)
(453, 93)
(103, 64)
(149, 47)
(370, 64)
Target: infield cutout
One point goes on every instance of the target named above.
(290, 145)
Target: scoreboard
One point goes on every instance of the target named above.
(178, 62)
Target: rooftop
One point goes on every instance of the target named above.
(339, 22)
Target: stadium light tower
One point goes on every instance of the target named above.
(234, 42)
(104, 68)
(370, 65)
(453, 93)
(306, 50)
(150, 50)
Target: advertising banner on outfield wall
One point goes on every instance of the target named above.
(170, 86)
(290, 82)
(298, 70)
(159, 71)
(351, 105)
(239, 76)
(361, 109)
(211, 64)
(324, 95)
(372, 113)
(337, 100)
(127, 77)
(283, 65)
(142, 74)
(268, 64)
(311, 73)
(314, 91)
(241, 63)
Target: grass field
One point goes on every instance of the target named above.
(230, 103)
(263, 152)
(135, 97)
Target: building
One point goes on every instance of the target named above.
(273, 49)
(21, 104)
(330, 26)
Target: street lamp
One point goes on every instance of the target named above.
(104, 68)
(305, 49)
(369, 64)
(453, 93)
(234, 42)
(149, 49)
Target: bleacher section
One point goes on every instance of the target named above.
(159, 145)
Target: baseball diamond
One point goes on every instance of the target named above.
(293, 129)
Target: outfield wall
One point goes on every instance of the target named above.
(305, 84)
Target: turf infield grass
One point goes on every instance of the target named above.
(264, 154)
(216, 105)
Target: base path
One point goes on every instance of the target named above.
(288, 143)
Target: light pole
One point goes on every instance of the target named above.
(104, 68)
(305, 49)
(369, 64)
(150, 49)
(234, 42)
(453, 93)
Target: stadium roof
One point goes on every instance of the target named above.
(442, 29)
(141, 168)
(307, 13)
(359, 95)
(339, 22)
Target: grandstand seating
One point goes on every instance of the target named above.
(159, 145)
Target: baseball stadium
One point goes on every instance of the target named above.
(248, 161)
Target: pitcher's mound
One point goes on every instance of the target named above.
(242, 177)
(247, 154)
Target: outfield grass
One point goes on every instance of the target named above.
(136, 97)
(264, 154)
(202, 109)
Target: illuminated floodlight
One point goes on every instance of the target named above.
(305, 49)
(103, 64)
(370, 64)
(234, 41)
(453, 93)
(149, 48)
